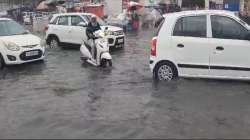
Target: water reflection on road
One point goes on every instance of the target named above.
(63, 98)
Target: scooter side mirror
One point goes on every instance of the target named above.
(82, 24)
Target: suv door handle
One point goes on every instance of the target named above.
(180, 45)
(219, 48)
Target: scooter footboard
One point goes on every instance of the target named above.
(85, 52)
(106, 55)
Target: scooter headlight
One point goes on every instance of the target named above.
(11, 46)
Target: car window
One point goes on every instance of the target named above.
(53, 21)
(75, 20)
(10, 27)
(194, 26)
(63, 21)
(87, 18)
(227, 28)
(99, 20)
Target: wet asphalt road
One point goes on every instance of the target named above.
(61, 98)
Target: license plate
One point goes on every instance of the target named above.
(120, 40)
(31, 53)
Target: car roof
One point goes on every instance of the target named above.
(71, 14)
(200, 12)
(3, 19)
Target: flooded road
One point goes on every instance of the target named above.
(62, 98)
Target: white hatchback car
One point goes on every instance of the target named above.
(17, 45)
(205, 44)
(64, 29)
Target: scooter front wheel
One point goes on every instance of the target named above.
(110, 63)
(105, 63)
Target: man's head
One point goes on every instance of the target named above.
(93, 20)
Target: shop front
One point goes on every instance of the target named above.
(193, 4)
(232, 5)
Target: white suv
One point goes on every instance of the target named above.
(17, 45)
(207, 43)
(65, 29)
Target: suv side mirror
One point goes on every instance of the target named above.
(82, 24)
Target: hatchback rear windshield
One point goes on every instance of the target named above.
(10, 27)
(158, 25)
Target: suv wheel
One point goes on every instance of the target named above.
(165, 72)
(53, 42)
(1, 62)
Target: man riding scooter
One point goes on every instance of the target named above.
(92, 27)
(95, 49)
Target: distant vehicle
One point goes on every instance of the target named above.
(64, 28)
(18, 45)
(206, 44)
(26, 17)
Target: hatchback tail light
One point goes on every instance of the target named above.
(153, 46)
(46, 28)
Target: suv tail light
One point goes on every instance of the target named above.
(46, 28)
(153, 46)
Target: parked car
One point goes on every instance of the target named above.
(206, 43)
(64, 29)
(26, 17)
(3, 14)
(18, 45)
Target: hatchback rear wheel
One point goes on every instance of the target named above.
(165, 72)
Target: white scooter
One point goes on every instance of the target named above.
(100, 56)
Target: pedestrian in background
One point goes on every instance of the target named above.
(244, 16)
(135, 20)
(31, 22)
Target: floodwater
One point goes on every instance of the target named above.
(63, 98)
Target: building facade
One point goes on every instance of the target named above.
(9, 4)
(232, 5)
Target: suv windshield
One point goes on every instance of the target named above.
(99, 20)
(10, 27)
